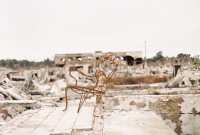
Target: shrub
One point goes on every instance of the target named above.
(138, 80)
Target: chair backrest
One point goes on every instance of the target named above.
(100, 77)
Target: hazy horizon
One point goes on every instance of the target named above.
(52, 57)
(39, 29)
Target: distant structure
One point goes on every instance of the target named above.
(87, 61)
(177, 67)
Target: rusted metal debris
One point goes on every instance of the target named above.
(100, 78)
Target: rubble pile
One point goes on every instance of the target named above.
(162, 69)
(9, 91)
(186, 78)
(20, 90)
(138, 70)
(8, 113)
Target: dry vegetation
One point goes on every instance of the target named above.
(138, 80)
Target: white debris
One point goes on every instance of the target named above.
(44, 88)
(185, 79)
(61, 84)
(55, 89)
(2, 97)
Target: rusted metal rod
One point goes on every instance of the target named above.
(99, 87)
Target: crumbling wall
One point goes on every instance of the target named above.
(169, 110)
(180, 112)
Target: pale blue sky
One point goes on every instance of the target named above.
(37, 29)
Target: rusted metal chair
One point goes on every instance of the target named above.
(100, 79)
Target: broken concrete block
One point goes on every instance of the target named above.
(36, 92)
(1, 118)
(175, 81)
(54, 89)
(2, 97)
(9, 112)
(3, 91)
(61, 84)
(18, 105)
(44, 88)
(8, 119)
(27, 85)
(14, 94)
(49, 99)
(17, 78)
(4, 112)
(185, 79)
(187, 82)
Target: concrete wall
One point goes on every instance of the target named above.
(180, 112)
(90, 58)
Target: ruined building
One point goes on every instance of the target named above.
(86, 61)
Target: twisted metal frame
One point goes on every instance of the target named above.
(98, 88)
